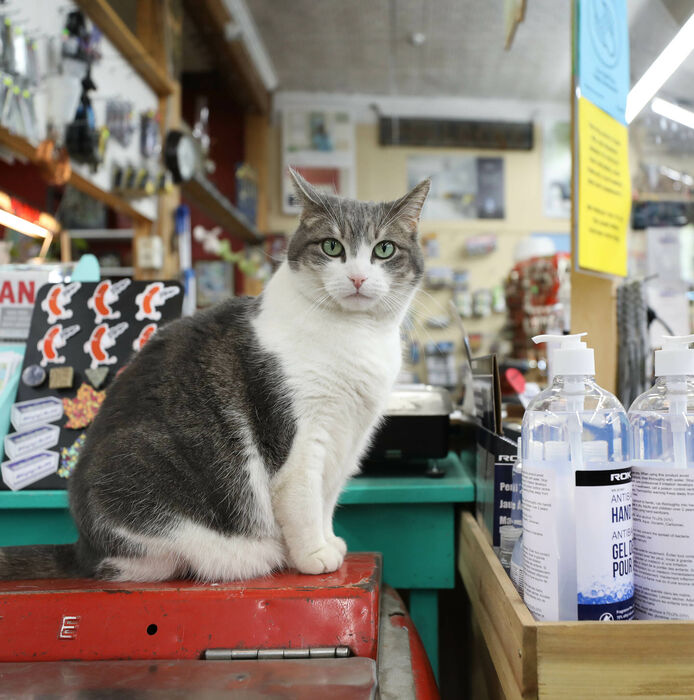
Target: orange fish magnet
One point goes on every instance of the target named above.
(145, 334)
(154, 295)
(105, 295)
(53, 339)
(58, 299)
(100, 341)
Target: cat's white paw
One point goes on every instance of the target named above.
(339, 544)
(324, 560)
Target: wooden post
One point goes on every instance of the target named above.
(593, 298)
(256, 138)
(155, 29)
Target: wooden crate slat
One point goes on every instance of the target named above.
(639, 659)
(506, 623)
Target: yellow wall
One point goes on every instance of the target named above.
(382, 175)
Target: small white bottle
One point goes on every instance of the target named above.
(577, 531)
(662, 435)
(516, 565)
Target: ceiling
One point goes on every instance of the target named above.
(364, 46)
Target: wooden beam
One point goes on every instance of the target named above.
(116, 31)
(234, 63)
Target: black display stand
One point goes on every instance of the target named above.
(94, 312)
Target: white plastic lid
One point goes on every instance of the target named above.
(675, 358)
(569, 355)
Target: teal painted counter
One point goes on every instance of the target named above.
(410, 519)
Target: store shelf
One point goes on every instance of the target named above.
(117, 271)
(204, 194)
(663, 197)
(102, 234)
(111, 25)
(21, 147)
(234, 63)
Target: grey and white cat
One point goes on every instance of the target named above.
(219, 453)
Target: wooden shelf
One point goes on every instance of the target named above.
(663, 197)
(117, 271)
(116, 31)
(234, 63)
(23, 148)
(102, 234)
(202, 193)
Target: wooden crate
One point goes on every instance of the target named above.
(574, 660)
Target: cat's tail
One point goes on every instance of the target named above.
(38, 561)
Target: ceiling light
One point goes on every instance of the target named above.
(31, 222)
(661, 69)
(673, 111)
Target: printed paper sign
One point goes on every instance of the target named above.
(604, 191)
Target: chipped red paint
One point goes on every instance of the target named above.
(110, 621)
(424, 680)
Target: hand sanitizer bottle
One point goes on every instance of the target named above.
(577, 531)
(662, 436)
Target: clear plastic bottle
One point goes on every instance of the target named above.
(516, 565)
(662, 435)
(577, 532)
(516, 570)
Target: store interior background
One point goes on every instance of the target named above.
(422, 59)
(429, 59)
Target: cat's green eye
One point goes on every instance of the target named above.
(332, 247)
(384, 249)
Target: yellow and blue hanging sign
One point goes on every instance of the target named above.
(603, 204)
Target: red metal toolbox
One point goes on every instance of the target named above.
(60, 620)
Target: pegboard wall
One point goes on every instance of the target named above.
(114, 77)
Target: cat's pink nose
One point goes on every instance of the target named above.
(357, 281)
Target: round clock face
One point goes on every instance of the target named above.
(181, 155)
(186, 155)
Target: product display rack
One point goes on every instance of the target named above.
(522, 658)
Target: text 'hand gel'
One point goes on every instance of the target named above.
(577, 529)
(662, 442)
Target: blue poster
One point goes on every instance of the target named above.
(603, 54)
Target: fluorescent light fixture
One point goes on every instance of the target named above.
(16, 223)
(661, 69)
(673, 111)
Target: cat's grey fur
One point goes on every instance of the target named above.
(172, 440)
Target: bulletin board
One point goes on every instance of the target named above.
(87, 326)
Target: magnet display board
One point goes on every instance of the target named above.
(87, 326)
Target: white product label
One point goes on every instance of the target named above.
(28, 414)
(516, 574)
(23, 472)
(663, 543)
(604, 554)
(19, 445)
(540, 553)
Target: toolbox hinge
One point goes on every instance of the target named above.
(312, 653)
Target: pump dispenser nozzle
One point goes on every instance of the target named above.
(570, 355)
(675, 358)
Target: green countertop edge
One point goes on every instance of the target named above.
(456, 487)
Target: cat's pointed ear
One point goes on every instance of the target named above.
(307, 195)
(408, 209)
